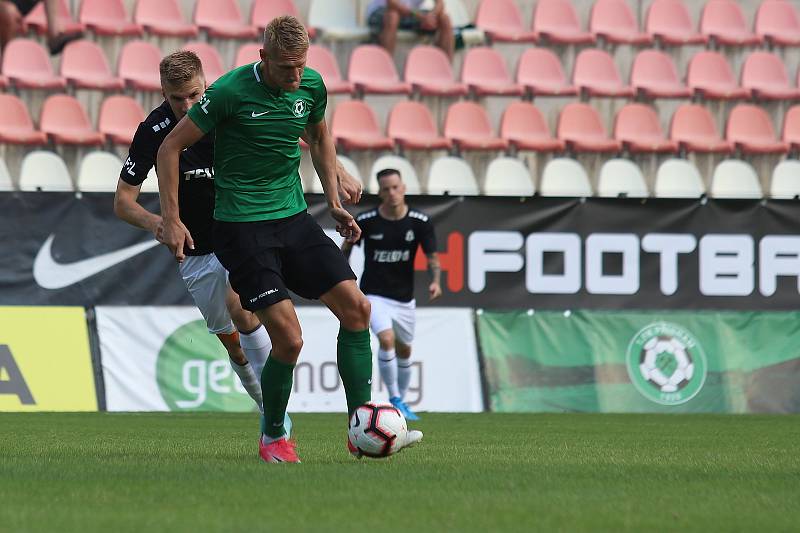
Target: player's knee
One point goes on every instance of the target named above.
(293, 344)
(356, 316)
(386, 339)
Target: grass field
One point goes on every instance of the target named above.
(485, 472)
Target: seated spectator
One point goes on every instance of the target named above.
(385, 17)
(12, 12)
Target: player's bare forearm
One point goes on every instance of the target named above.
(323, 155)
(128, 209)
(347, 248)
(434, 268)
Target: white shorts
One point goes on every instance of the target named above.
(391, 314)
(207, 281)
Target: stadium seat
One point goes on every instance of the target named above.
(791, 127)
(6, 183)
(411, 126)
(44, 171)
(27, 65)
(484, 72)
(502, 22)
(222, 19)
(16, 126)
(735, 179)
(777, 23)
(540, 72)
(3, 82)
(99, 172)
(467, 125)
(108, 17)
(565, 177)
(213, 67)
(119, 118)
(355, 127)
(314, 185)
(785, 182)
(372, 70)
(525, 128)
(323, 61)
(163, 18)
(508, 176)
(84, 66)
(402, 165)
(558, 22)
(248, 53)
(596, 74)
(65, 121)
(724, 22)
(693, 128)
(679, 178)
(336, 20)
(765, 76)
(709, 75)
(621, 177)
(429, 72)
(669, 22)
(581, 128)
(638, 129)
(37, 19)
(150, 184)
(654, 75)
(263, 11)
(614, 22)
(750, 129)
(453, 176)
(138, 66)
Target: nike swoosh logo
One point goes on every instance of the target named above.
(256, 115)
(52, 275)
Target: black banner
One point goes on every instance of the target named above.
(59, 249)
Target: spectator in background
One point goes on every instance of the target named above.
(12, 12)
(385, 17)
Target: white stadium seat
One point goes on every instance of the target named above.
(679, 178)
(44, 171)
(337, 20)
(735, 179)
(452, 175)
(400, 164)
(312, 180)
(508, 176)
(786, 180)
(621, 177)
(150, 184)
(565, 177)
(99, 172)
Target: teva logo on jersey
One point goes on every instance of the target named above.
(193, 373)
(666, 363)
(300, 107)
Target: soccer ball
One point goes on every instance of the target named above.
(377, 429)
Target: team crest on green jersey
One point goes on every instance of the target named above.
(300, 107)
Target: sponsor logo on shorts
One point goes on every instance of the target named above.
(263, 294)
(377, 236)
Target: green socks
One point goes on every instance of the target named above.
(354, 358)
(276, 386)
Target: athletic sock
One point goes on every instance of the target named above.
(256, 346)
(387, 363)
(276, 386)
(249, 381)
(403, 375)
(354, 358)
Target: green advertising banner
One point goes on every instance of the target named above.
(634, 362)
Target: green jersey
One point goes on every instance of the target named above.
(256, 150)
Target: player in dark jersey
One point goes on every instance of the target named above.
(391, 235)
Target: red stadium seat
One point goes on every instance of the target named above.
(3, 82)
(37, 19)
(723, 21)
(108, 17)
(710, 76)
(581, 128)
(119, 118)
(16, 126)
(750, 129)
(85, 66)
(355, 127)
(263, 11)
(614, 22)
(668, 21)
(694, 130)
(411, 126)
(558, 22)
(791, 127)
(654, 75)
(65, 121)
(27, 65)
(502, 22)
(596, 73)
(524, 127)
(248, 53)
(484, 72)
(467, 125)
(638, 129)
(372, 70)
(164, 18)
(764, 75)
(138, 65)
(777, 23)
(210, 58)
(222, 18)
(540, 72)
(429, 72)
(323, 61)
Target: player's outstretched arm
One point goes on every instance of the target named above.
(127, 208)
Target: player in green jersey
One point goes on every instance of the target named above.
(263, 234)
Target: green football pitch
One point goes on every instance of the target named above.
(485, 472)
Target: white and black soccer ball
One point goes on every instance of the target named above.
(666, 363)
(377, 429)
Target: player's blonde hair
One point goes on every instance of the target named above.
(180, 67)
(285, 34)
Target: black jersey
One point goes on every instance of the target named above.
(390, 247)
(196, 185)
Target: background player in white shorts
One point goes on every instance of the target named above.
(391, 235)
